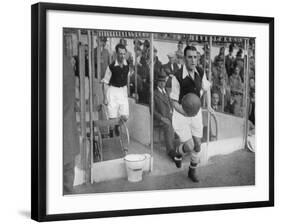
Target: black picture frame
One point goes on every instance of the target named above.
(39, 109)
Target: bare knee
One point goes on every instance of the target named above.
(188, 145)
(124, 118)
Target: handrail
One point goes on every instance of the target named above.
(216, 124)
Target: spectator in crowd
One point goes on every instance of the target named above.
(146, 51)
(170, 67)
(179, 50)
(136, 77)
(219, 75)
(229, 108)
(163, 111)
(229, 61)
(237, 109)
(252, 84)
(143, 74)
(205, 58)
(252, 116)
(236, 86)
(239, 61)
(215, 101)
(157, 64)
(199, 60)
(220, 55)
(235, 81)
(179, 61)
(137, 44)
(220, 79)
(104, 57)
(252, 66)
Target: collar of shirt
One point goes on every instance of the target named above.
(185, 72)
(117, 64)
(161, 90)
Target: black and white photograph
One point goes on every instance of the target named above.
(142, 111)
(157, 111)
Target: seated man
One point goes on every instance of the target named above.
(163, 111)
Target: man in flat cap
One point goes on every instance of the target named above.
(170, 69)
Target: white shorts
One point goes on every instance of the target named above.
(186, 127)
(117, 101)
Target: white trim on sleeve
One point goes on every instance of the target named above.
(175, 90)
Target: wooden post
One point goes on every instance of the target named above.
(93, 54)
(136, 74)
(224, 82)
(209, 78)
(246, 89)
(151, 100)
(83, 153)
(206, 156)
(90, 152)
(98, 58)
(204, 69)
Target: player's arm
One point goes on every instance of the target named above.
(206, 86)
(174, 96)
(178, 107)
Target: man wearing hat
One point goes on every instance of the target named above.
(163, 111)
(229, 61)
(220, 77)
(179, 51)
(170, 68)
(179, 61)
(239, 61)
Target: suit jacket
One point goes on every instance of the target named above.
(70, 133)
(168, 68)
(162, 106)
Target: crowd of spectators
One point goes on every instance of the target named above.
(228, 82)
(227, 74)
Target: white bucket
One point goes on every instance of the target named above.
(134, 165)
